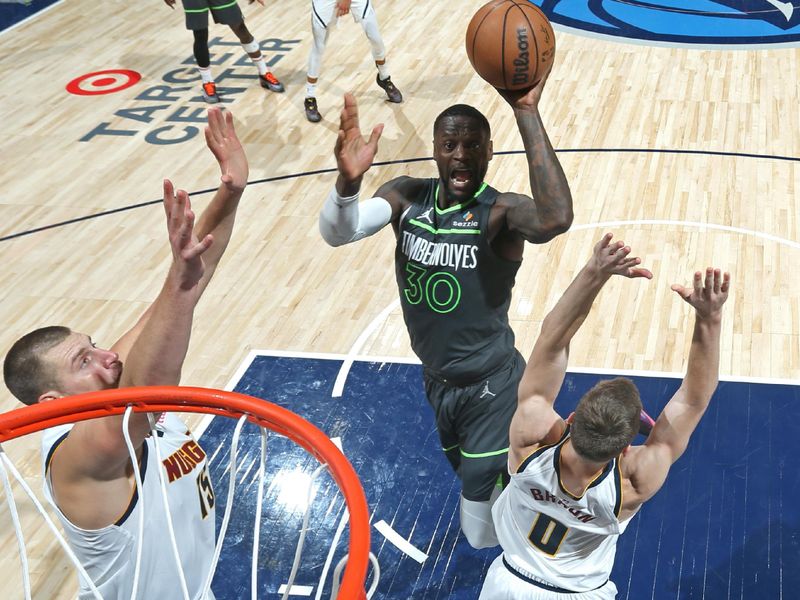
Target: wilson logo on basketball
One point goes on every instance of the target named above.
(522, 64)
(510, 44)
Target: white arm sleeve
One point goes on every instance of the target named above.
(345, 220)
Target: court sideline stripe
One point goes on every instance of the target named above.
(29, 17)
(113, 211)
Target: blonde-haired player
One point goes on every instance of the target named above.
(575, 485)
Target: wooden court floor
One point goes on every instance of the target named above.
(691, 156)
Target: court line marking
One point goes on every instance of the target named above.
(570, 369)
(692, 224)
(229, 387)
(400, 542)
(297, 590)
(30, 17)
(341, 377)
(400, 161)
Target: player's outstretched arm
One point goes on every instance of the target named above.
(682, 413)
(219, 216)
(157, 355)
(680, 417)
(354, 156)
(343, 219)
(549, 212)
(96, 450)
(547, 366)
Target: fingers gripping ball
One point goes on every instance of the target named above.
(511, 44)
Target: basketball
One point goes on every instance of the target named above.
(511, 44)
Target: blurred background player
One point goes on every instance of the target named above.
(324, 14)
(575, 485)
(229, 13)
(87, 467)
(459, 244)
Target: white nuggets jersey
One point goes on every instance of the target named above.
(109, 554)
(552, 535)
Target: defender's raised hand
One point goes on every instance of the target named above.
(227, 149)
(706, 295)
(354, 156)
(187, 251)
(613, 259)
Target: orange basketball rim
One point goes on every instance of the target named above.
(30, 419)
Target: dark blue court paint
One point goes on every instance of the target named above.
(724, 526)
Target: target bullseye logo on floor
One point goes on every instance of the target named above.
(103, 82)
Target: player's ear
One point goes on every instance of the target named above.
(49, 395)
(490, 151)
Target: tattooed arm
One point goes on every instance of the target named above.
(549, 212)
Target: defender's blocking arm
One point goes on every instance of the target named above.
(219, 216)
(547, 366)
(680, 417)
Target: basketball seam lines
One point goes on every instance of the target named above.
(535, 43)
(503, 46)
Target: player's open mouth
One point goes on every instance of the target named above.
(460, 178)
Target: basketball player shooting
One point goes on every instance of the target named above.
(459, 244)
(576, 484)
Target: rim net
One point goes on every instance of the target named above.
(268, 416)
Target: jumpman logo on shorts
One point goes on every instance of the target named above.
(486, 391)
(427, 215)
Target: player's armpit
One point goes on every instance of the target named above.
(96, 449)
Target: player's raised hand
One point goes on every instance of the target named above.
(354, 156)
(707, 295)
(227, 149)
(187, 251)
(170, 3)
(527, 99)
(615, 259)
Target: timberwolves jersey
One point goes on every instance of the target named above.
(565, 540)
(109, 554)
(455, 292)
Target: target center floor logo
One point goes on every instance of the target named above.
(172, 110)
(682, 22)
